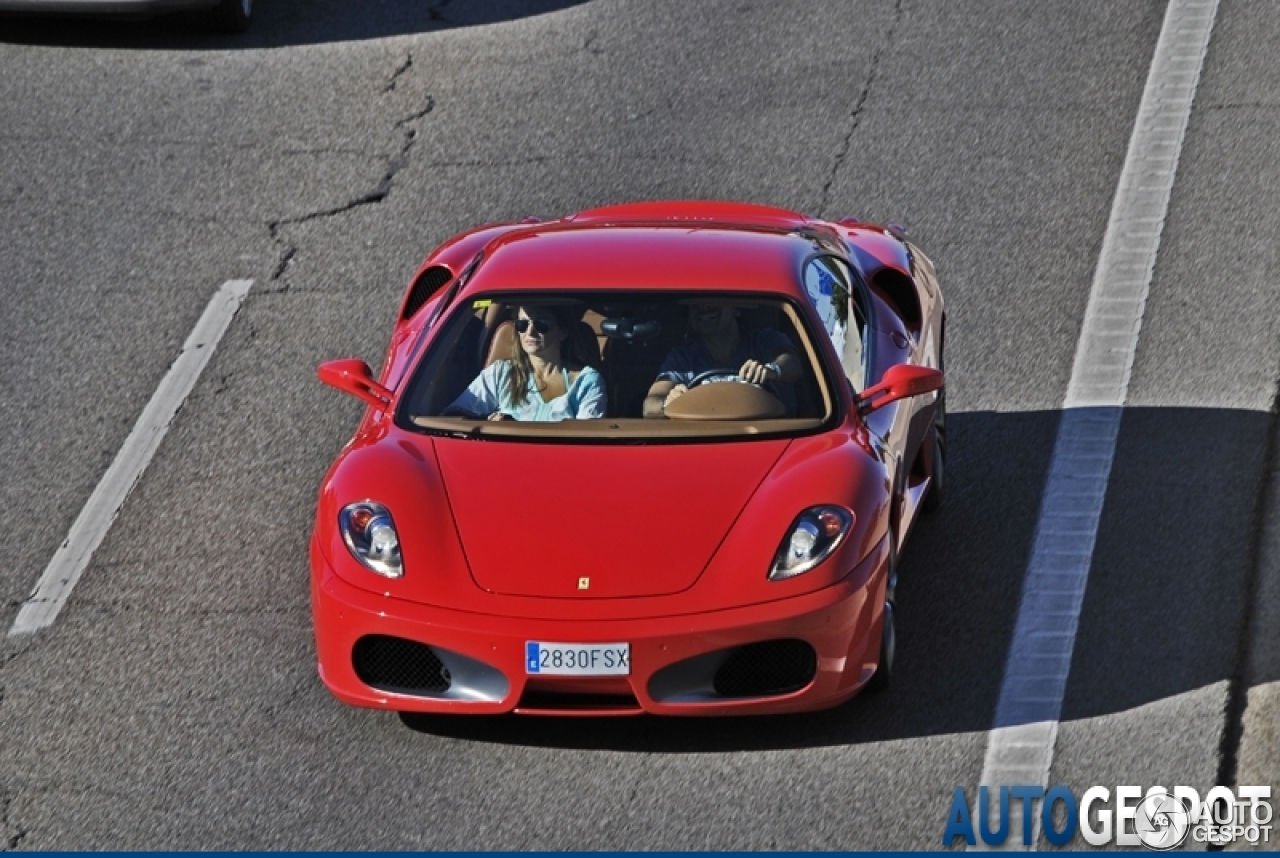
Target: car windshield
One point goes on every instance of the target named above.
(581, 365)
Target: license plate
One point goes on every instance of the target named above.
(564, 659)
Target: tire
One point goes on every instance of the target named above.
(232, 16)
(938, 437)
(882, 679)
(891, 585)
(883, 676)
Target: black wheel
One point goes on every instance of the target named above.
(232, 16)
(891, 586)
(883, 677)
(888, 636)
(938, 473)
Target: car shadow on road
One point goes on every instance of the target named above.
(1173, 552)
(276, 23)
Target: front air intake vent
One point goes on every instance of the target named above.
(399, 665)
(544, 702)
(766, 669)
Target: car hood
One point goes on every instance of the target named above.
(577, 521)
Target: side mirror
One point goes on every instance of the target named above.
(352, 375)
(900, 382)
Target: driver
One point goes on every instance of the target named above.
(761, 356)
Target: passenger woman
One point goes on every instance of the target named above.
(543, 380)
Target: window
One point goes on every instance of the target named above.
(829, 283)
(628, 338)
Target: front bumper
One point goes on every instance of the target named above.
(674, 659)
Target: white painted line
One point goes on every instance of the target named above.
(1020, 747)
(72, 557)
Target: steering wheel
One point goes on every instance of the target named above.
(717, 374)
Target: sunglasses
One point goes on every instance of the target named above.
(542, 326)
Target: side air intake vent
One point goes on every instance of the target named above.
(429, 282)
(898, 289)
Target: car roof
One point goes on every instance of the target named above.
(679, 254)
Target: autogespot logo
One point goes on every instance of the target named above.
(1160, 819)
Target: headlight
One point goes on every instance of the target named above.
(814, 535)
(371, 537)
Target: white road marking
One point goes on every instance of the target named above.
(1020, 747)
(72, 557)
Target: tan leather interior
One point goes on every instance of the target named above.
(726, 400)
(502, 343)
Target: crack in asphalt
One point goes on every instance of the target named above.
(380, 192)
(285, 258)
(417, 114)
(325, 150)
(396, 75)
(855, 117)
(121, 606)
(514, 162)
(8, 658)
(1240, 105)
(11, 840)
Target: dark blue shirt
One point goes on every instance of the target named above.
(765, 345)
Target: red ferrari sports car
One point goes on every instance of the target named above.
(657, 457)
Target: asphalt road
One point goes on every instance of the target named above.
(174, 703)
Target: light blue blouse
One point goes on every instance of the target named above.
(585, 397)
